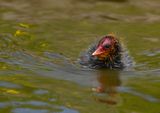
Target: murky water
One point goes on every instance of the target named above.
(41, 42)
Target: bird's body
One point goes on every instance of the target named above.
(107, 53)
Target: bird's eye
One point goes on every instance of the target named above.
(107, 46)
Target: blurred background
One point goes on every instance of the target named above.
(41, 41)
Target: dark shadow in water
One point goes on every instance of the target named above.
(114, 0)
(119, 1)
(108, 81)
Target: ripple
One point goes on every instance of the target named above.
(41, 92)
(37, 103)
(9, 85)
(142, 95)
(3, 104)
(28, 110)
(20, 103)
(67, 110)
(151, 53)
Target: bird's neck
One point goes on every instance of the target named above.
(112, 59)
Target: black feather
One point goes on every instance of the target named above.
(93, 62)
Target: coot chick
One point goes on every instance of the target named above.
(107, 53)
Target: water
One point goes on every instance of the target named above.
(41, 42)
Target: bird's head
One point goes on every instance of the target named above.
(106, 47)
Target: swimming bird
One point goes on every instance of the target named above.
(107, 53)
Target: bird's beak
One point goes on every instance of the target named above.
(99, 51)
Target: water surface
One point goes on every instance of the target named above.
(41, 42)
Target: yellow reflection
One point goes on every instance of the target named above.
(24, 25)
(20, 33)
(10, 91)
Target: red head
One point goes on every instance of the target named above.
(106, 47)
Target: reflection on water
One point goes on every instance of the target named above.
(108, 81)
(41, 92)
(109, 87)
(27, 110)
(35, 107)
(9, 85)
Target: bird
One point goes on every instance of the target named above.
(107, 53)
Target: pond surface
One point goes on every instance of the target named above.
(41, 41)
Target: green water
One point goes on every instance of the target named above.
(41, 41)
